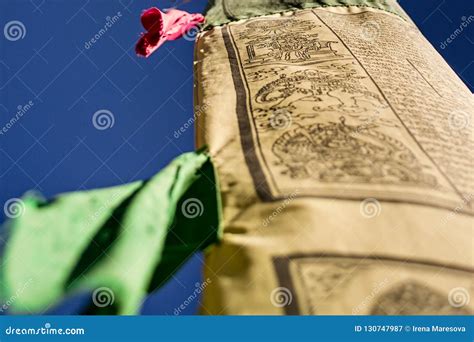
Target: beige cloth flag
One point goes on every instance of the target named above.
(342, 143)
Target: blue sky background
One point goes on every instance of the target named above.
(55, 147)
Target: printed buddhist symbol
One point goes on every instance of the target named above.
(336, 152)
(285, 40)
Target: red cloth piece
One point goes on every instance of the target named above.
(163, 26)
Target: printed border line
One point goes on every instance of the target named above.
(282, 269)
(249, 147)
(249, 116)
(459, 193)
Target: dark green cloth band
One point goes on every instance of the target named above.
(223, 11)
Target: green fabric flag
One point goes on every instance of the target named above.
(119, 243)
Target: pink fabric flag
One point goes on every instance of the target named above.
(163, 26)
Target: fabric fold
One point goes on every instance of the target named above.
(163, 26)
(110, 242)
